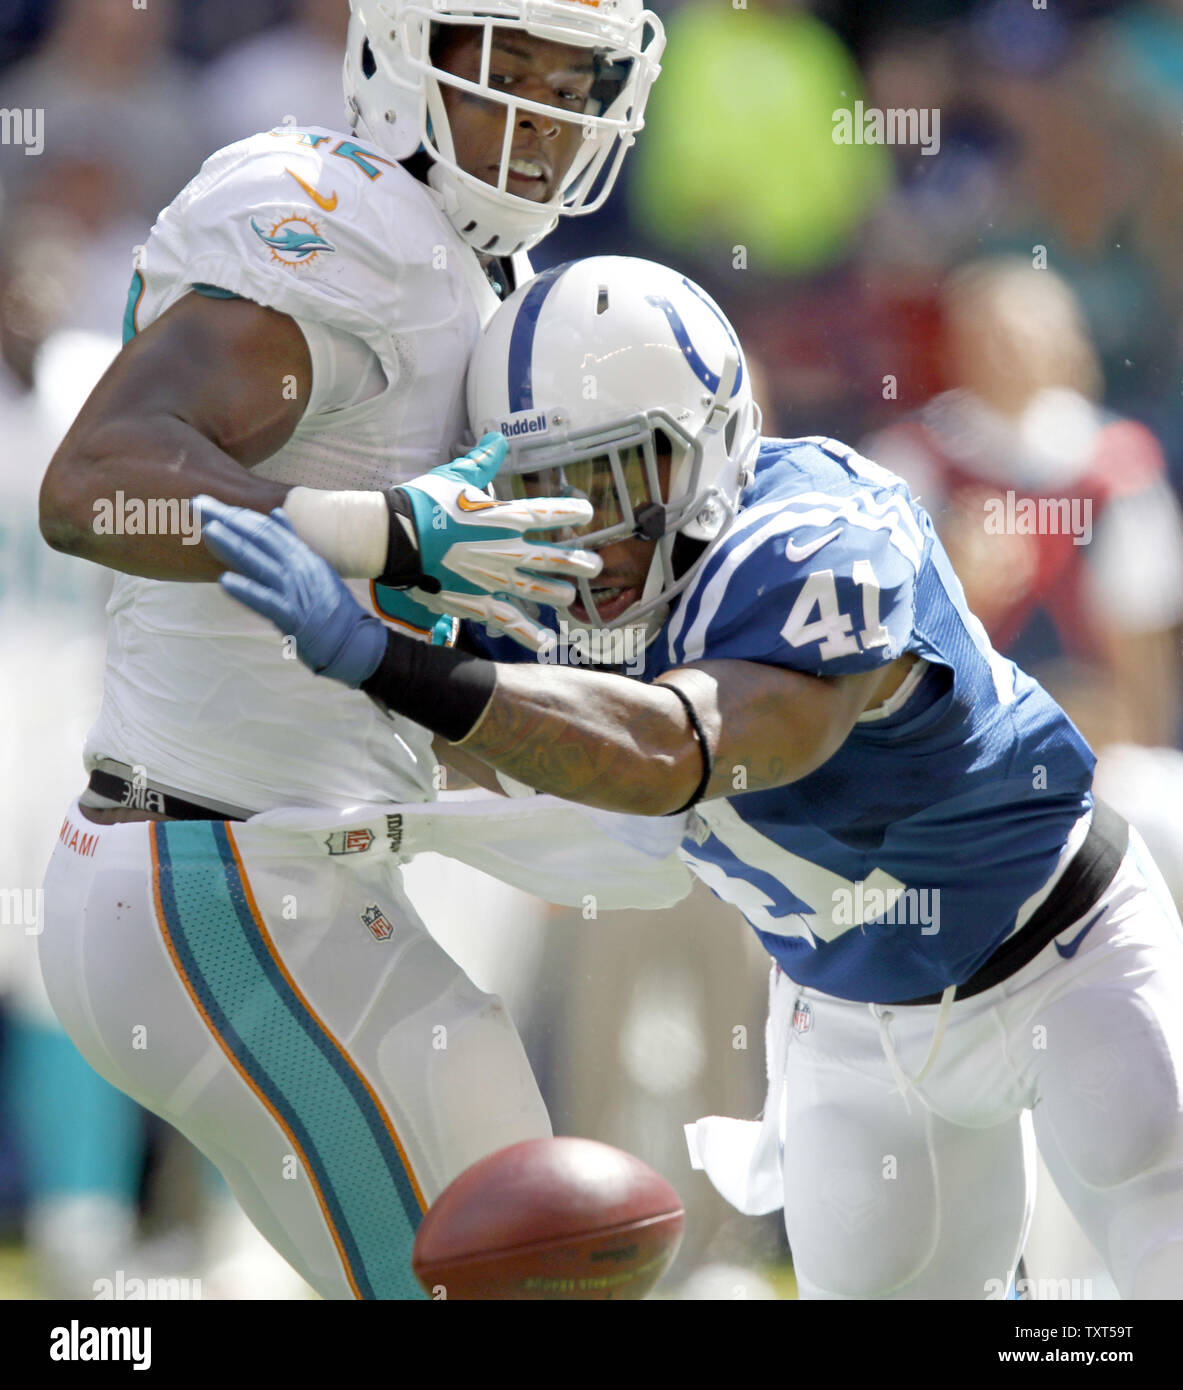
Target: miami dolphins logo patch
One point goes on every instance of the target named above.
(294, 241)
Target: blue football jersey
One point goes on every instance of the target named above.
(899, 865)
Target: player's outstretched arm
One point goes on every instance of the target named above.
(621, 745)
(190, 405)
(599, 739)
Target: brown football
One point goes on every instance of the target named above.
(550, 1219)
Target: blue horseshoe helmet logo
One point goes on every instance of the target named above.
(700, 369)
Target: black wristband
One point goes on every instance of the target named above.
(402, 554)
(704, 748)
(444, 690)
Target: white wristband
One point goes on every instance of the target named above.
(350, 529)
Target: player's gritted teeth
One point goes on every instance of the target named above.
(611, 600)
(530, 176)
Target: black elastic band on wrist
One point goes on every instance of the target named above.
(444, 690)
(402, 554)
(704, 748)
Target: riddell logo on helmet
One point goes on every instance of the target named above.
(533, 424)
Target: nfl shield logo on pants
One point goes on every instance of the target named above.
(802, 1016)
(378, 923)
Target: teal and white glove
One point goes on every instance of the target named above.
(463, 552)
(403, 608)
(469, 542)
(432, 617)
(500, 616)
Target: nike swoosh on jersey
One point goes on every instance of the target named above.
(803, 552)
(1070, 950)
(329, 204)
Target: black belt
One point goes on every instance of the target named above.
(1089, 872)
(139, 797)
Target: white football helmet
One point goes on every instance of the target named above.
(595, 371)
(393, 92)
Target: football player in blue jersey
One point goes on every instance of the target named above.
(960, 933)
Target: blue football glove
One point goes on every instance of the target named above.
(472, 546)
(277, 575)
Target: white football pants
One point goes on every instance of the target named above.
(273, 995)
(924, 1191)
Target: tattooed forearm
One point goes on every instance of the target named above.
(625, 746)
(599, 739)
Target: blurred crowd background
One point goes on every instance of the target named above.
(1000, 312)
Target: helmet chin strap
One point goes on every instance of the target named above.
(482, 223)
(657, 578)
(654, 582)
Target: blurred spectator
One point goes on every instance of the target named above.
(738, 180)
(939, 202)
(105, 72)
(1136, 60)
(290, 74)
(1143, 47)
(1093, 180)
(76, 197)
(738, 148)
(79, 1137)
(205, 28)
(22, 23)
(1056, 515)
(1145, 784)
(81, 1141)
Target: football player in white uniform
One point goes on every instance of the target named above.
(297, 332)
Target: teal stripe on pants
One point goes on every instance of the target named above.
(289, 1057)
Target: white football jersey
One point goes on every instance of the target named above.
(311, 224)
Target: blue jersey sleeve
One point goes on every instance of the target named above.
(815, 583)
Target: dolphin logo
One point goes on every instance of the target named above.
(292, 242)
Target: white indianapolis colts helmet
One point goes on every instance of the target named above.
(393, 92)
(593, 371)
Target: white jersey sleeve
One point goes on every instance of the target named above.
(309, 223)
